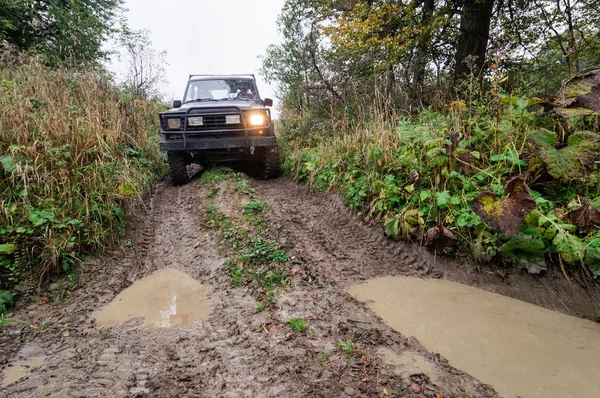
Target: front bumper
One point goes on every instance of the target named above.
(216, 143)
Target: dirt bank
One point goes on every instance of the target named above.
(239, 351)
(355, 251)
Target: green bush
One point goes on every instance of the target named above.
(412, 173)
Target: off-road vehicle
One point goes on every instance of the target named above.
(221, 119)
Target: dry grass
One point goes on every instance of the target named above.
(75, 152)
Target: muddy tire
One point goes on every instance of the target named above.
(178, 166)
(269, 164)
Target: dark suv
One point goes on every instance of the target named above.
(221, 119)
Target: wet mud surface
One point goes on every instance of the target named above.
(232, 349)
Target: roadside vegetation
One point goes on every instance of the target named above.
(78, 149)
(491, 153)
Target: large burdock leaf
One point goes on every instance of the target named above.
(580, 96)
(505, 215)
(571, 163)
(439, 238)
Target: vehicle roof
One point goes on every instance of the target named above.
(214, 77)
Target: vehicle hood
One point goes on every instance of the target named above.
(217, 104)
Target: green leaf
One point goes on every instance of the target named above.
(391, 226)
(8, 248)
(442, 198)
(410, 188)
(570, 247)
(7, 164)
(527, 251)
(522, 103)
(424, 195)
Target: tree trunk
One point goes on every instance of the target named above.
(423, 46)
(474, 35)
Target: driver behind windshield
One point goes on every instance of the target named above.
(245, 93)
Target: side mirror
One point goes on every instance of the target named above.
(177, 104)
(268, 102)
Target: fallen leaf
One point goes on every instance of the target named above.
(293, 272)
(439, 395)
(315, 296)
(439, 238)
(585, 216)
(43, 301)
(385, 391)
(58, 313)
(66, 333)
(363, 357)
(325, 276)
(505, 215)
(34, 326)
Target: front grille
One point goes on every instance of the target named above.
(214, 118)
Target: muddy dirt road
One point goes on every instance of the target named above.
(215, 341)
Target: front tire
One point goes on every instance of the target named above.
(178, 166)
(269, 163)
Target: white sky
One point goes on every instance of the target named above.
(208, 36)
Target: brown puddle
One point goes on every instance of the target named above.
(167, 298)
(20, 369)
(518, 348)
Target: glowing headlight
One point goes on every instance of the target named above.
(174, 123)
(257, 120)
(232, 119)
(195, 121)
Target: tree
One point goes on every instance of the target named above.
(475, 20)
(145, 65)
(61, 30)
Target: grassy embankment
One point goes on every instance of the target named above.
(414, 172)
(75, 154)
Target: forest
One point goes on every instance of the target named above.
(468, 126)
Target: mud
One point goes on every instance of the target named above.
(355, 250)
(167, 298)
(237, 351)
(518, 348)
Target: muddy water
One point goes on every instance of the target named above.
(167, 298)
(20, 369)
(518, 348)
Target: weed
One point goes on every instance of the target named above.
(346, 346)
(322, 357)
(298, 324)
(212, 193)
(6, 300)
(255, 207)
(4, 321)
(260, 306)
(216, 175)
(213, 218)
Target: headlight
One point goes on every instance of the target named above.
(232, 119)
(257, 120)
(174, 123)
(195, 121)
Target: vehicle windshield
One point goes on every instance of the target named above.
(221, 90)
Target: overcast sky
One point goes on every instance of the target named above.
(208, 36)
